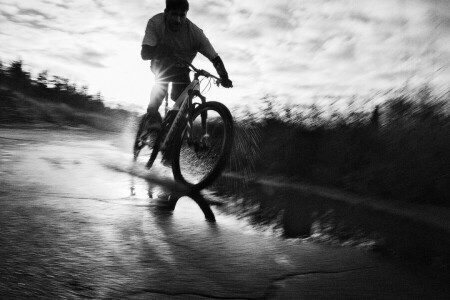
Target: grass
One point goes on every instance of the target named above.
(19, 108)
(398, 151)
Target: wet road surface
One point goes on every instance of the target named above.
(78, 222)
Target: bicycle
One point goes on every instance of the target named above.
(195, 138)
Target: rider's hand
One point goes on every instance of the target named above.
(226, 82)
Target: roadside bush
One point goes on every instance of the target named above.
(398, 151)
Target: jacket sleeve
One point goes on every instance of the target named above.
(220, 67)
(150, 37)
(148, 52)
(204, 45)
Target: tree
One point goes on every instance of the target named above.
(59, 83)
(18, 76)
(97, 102)
(84, 90)
(42, 80)
(98, 97)
(72, 88)
(2, 71)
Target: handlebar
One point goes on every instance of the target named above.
(200, 72)
(205, 74)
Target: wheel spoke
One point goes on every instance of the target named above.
(200, 159)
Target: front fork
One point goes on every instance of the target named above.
(204, 140)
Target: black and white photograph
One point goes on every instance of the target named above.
(206, 149)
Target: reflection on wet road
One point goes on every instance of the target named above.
(78, 221)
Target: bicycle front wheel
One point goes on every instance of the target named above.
(200, 157)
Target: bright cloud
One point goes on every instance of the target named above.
(296, 50)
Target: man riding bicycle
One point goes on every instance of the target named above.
(169, 37)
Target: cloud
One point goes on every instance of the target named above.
(58, 3)
(34, 13)
(92, 57)
(285, 47)
(103, 6)
(85, 56)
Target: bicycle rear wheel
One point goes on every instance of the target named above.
(146, 145)
(199, 159)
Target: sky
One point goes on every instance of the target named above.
(295, 51)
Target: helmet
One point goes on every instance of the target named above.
(177, 5)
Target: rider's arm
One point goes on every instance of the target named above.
(208, 51)
(220, 68)
(150, 40)
(148, 52)
(151, 45)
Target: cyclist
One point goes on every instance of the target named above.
(170, 36)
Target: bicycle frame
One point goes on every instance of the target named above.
(184, 105)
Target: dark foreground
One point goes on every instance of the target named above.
(70, 229)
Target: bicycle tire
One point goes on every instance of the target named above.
(151, 148)
(186, 165)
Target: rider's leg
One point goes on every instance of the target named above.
(179, 82)
(159, 90)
